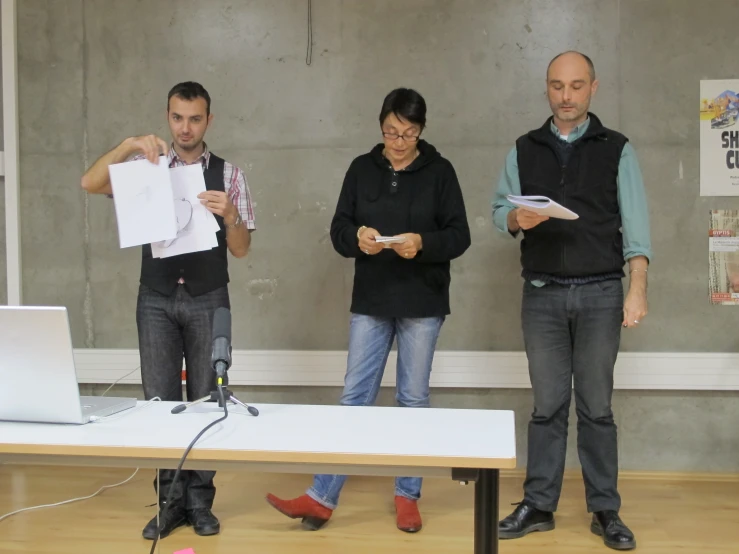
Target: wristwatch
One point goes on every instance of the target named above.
(236, 223)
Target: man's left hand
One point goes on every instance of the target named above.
(410, 247)
(635, 307)
(219, 203)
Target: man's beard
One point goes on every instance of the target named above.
(190, 146)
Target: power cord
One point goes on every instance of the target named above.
(95, 419)
(101, 489)
(119, 380)
(167, 502)
(156, 398)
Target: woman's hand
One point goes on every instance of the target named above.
(409, 248)
(367, 243)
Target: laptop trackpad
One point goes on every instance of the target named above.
(103, 406)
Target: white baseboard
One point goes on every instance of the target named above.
(506, 370)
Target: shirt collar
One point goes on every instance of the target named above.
(575, 134)
(204, 158)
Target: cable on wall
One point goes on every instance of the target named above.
(309, 49)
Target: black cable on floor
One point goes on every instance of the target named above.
(182, 462)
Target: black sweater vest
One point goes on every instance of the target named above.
(202, 271)
(583, 177)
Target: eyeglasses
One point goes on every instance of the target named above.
(394, 136)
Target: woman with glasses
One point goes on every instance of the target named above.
(401, 216)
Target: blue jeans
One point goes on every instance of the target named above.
(172, 328)
(370, 340)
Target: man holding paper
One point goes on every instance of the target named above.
(179, 294)
(573, 306)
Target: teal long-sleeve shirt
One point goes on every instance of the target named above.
(632, 198)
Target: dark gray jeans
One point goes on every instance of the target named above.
(170, 328)
(572, 331)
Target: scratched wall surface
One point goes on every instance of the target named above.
(93, 72)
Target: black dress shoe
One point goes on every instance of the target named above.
(203, 522)
(615, 534)
(524, 520)
(174, 517)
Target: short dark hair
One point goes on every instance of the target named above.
(189, 90)
(591, 66)
(407, 104)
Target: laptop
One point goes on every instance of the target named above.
(38, 379)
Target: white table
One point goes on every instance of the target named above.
(466, 445)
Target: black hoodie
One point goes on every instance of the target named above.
(424, 198)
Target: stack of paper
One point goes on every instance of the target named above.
(389, 240)
(196, 226)
(542, 206)
(160, 206)
(143, 202)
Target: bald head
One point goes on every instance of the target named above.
(571, 84)
(572, 59)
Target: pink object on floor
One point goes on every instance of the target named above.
(188, 551)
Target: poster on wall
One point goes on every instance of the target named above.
(723, 257)
(719, 136)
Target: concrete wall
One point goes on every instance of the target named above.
(52, 121)
(3, 260)
(93, 72)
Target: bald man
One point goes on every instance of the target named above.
(573, 306)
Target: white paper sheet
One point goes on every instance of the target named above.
(542, 206)
(389, 240)
(212, 221)
(142, 194)
(196, 226)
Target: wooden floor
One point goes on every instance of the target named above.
(667, 515)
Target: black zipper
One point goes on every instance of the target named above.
(563, 168)
(564, 190)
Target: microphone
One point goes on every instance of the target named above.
(221, 357)
(220, 361)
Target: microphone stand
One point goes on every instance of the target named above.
(215, 396)
(221, 361)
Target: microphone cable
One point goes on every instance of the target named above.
(184, 457)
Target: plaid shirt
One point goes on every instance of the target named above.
(234, 182)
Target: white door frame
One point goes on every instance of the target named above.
(9, 160)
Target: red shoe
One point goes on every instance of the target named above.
(313, 514)
(407, 515)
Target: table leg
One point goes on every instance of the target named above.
(486, 511)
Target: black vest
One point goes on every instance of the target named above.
(583, 177)
(203, 271)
